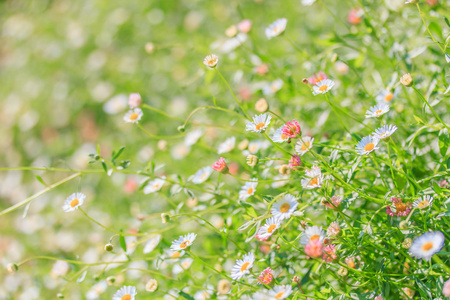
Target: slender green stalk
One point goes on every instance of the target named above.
(428, 29)
(431, 107)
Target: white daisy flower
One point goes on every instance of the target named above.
(202, 175)
(211, 61)
(242, 266)
(314, 178)
(95, 291)
(269, 228)
(281, 291)
(259, 124)
(192, 137)
(133, 115)
(154, 185)
(276, 28)
(248, 189)
(322, 87)
(423, 202)
(183, 265)
(385, 131)
(285, 207)
(377, 111)
(262, 296)
(183, 242)
(308, 2)
(367, 144)
(386, 96)
(227, 146)
(312, 233)
(152, 243)
(173, 255)
(116, 104)
(304, 144)
(410, 1)
(125, 293)
(73, 202)
(426, 245)
(279, 136)
(273, 87)
(255, 146)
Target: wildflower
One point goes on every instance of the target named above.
(248, 189)
(276, 28)
(330, 253)
(202, 175)
(279, 136)
(227, 146)
(426, 245)
(110, 280)
(109, 247)
(377, 111)
(313, 178)
(443, 184)
(96, 290)
(350, 262)
(284, 170)
(259, 123)
(285, 207)
(12, 268)
(192, 137)
(242, 266)
(333, 203)
(134, 100)
(220, 165)
(423, 202)
(231, 31)
(322, 87)
(334, 229)
(244, 26)
(165, 218)
(407, 243)
(379, 297)
(385, 131)
(403, 225)
(261, 296)
(243, 144)
(308, 2)
(296, 279)
(312, 233)
(398, 208)
(295, 162)
(341, 67)
(125, 293)
(342, 271)
(151, 285)
(183, 242)
(152, 243)
(406, 290)
(73, 202)
(133, 115)
(252, 160)
(316, 78)
(291, 129)
(314, 248)
(385, 96)
(261, 105)
(281, 291)
(367, 145)
(269, 228)
(355, 16)
(182, 266)
(406, 80)
(154, 185)
(304, 144)
(266, 276)
(446, 288)
(223, 286)
(211, 61)
(273, 87)
(116, 104)
(174, 255)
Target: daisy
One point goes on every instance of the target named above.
(385, 131)
(322, 87)
(279, 136)
(242, 266)
(316, 78)
(183, 242)
(152, 243)
(248, 189)
(291, 128)
(285, 207)
(269, 228)
(423, 202)
(398, 208)
(259, 123)
(333, 203)
(312, 233)
(426, 245)
(261, 296)
(116, 104)
(96, 290)
(367, 145)
(377, 111)
(273, 87)
(281, 291)
(202, 175)
(386, 96)
(154, 185)
(314, 248)
(276, 28)
(304, 144)
(192, 137)
(314, 178)
(211, 61)
(173, 255)
(73, 202)
(133, 115)
(183, 265)
(295, 162)
(134, 100)
(220, 165)
(227, 146)
(266, 276)
(125, 293)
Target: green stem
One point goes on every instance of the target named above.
(161, 112)
(431, 108)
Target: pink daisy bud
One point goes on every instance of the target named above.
(220, 165)
(244, 26)
(329, 253)
(295, 161)
(134, 100)
(317, 78)
(266, 276)
(314, 248)
(291, 129)
(355, 16)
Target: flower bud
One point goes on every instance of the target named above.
(60, 296)
(342, 271)
(12, 268)
(165, 218)
(243, 145)
(110, 280)
(284, 170)
(252, 160)
(261, 105)
(231, 31)
(407, 243)
(134, 100)
(220, 166)
(109, 247)
(403, 225)
(244, 26)
(406, 79)
(296, 279)
(223, 286)
(151, 285)
(181, 128)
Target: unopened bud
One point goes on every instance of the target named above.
(305, 80)
(149, 48)
(165, 218)
(261, 105)
(296, 279)
(12, 268)
(342, 271)
(243, 145)
(110, 280)
(403, 225)
(60, 296)
(151, 285)
(252, 160)
(406, 79)
(109, 247)
(407, 243)
(181, 128)
(284, 170)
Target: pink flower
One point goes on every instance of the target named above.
(443, 184)
(330, 253)
(355, 16)
(446, 288)
(291, 129)
(433, 3)
(317, 78)
(295, 161)
(266, 276)
(314, 248)
(398, 208)
(134, 100)
(334, 229)
(333, 203)
(220, 165)
(244, 26)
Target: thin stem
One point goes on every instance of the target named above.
(161, 112)
(431, 108)
(160, 137)
(428, 29)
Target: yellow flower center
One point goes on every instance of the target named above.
(285, 207)
(134, 116)
(427, 246)
(126, 297)
(211, 62)
(314, 181)
(279, 295)
(245, 266)
(423, 204)
(250, 190)
(175, 255)
(274, 88)
(305, 146)
(369, 147)
(400, 206)
(74, 202)
(314, 237)
(323, 88)
(378, 112)
(203, 176)
(260, 125)
(184, 244)
(389, 97)
(284, 136)
(271, 228)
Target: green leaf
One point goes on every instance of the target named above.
(98, 149)
(251, 211)
(104, 167)
(437, 188)
(443, 141)
(41, 180)
(187, 296)
(447, 21)
(424, 290)
(118, 153)
(123, 245)
(419, 120)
